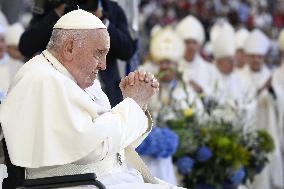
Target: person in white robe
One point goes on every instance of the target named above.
(196, 71)
(8, 65)
(12, 39)
(71, 127)
(225, 85)
(241, 68)
(166, 49)
(261, 108)
(278, 86)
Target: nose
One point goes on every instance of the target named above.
(102, 64)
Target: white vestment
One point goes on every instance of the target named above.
(262, 111)
(8, 69)
(198, 71)
(227, 88)
(278, 86)
(242, 73)
(61, 129)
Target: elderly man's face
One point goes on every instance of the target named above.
(191, 48)
(241, 58)
(91, 57)
(225, 65)
(167, 70)
(255, 62)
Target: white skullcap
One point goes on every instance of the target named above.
(79, 19)
(281, 40)
(191, 28)
(257, 43)
(13, 34)
(223, 44)
(241, 37)
(166, 45)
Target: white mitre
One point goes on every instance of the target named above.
(218, 27)
(13, 34)
(191, 28)
(257, 43)
(166, 44)
(281, 40)
(241, 37)
(79, 19)
(223, 43)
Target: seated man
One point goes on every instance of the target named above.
(64, 124)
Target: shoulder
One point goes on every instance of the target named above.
(37, 72)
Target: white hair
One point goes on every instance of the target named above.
(59, 36)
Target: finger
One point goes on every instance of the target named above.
(122, 84)
(156, 90)
(155, 83)
(141, 74)
(149, 77)
(131, 78)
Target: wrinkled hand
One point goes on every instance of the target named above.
(140, 86)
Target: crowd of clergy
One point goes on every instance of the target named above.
(236, 75)
(231, 69)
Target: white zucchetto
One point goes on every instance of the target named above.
(79, 19)
(257, 43)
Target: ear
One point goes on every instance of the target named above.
(68, 50)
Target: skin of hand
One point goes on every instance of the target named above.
(140, 86)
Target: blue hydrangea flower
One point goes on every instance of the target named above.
(185, 165)
(203, 154)
(149, 145)
(237, 177)
(160, 143)
(168, 143)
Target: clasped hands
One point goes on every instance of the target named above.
(140, 86)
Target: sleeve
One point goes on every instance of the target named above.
(57, 123)
(122, 46)
(36, 37)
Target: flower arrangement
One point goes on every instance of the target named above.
(217, 154)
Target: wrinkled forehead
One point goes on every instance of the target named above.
(101, 38)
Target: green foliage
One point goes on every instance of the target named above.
(231, 149)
